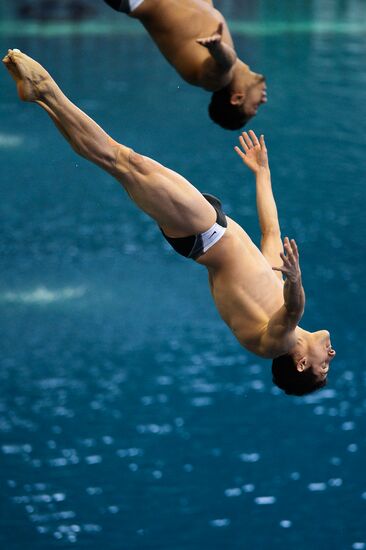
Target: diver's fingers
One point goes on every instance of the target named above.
(240, 152)
(243, 144)
(289, 253)
(285, 259)
(254, 137)
(247, 139)
(295, 250)
(263, 143)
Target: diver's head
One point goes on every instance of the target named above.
(305, 369)
(233, 106)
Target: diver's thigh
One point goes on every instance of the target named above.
(167, 197)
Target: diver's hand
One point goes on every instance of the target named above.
(291, 265)
(213, 40)
(253, 152)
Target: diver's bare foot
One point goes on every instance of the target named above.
(33, 81)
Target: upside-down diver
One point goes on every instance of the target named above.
(194, 37)
(246, 282)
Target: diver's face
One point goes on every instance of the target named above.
(256, 94)
(320, 353)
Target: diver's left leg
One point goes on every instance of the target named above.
(174, 203)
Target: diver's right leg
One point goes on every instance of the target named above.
(176, 205)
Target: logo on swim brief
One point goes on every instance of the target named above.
(212, 234)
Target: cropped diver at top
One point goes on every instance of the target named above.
(194, 37)
(247, 285)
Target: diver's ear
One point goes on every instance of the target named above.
(302, 364)
(237, 98)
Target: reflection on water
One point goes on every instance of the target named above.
(10, 140)
(43, 295)
(129, 416)
(128, 434)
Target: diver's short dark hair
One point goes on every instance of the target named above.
(221, 111)
(286, 376)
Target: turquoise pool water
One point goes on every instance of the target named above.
(129, 416)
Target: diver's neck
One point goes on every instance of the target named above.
(242, 77)
(302, 339)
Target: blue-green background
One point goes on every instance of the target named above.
(130, 418)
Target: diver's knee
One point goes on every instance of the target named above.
(122, 159)
(141, 164)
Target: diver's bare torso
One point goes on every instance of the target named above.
(246, 290)
(175, 25)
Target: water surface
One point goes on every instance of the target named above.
(129, 415)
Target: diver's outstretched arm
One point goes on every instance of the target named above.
(293, 293)
(222, 53)
(283, 323)
(253, 152)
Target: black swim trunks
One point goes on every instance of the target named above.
(125, 6)
(195, 245)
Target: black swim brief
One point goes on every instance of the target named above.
(194, 246)
(125, 6)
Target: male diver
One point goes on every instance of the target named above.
(246, 283)
(195, 39)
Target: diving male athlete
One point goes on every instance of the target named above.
(195, 39)
(262, 311)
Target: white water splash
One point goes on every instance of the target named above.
(265, 500)
(8, 141)
(42, 295)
